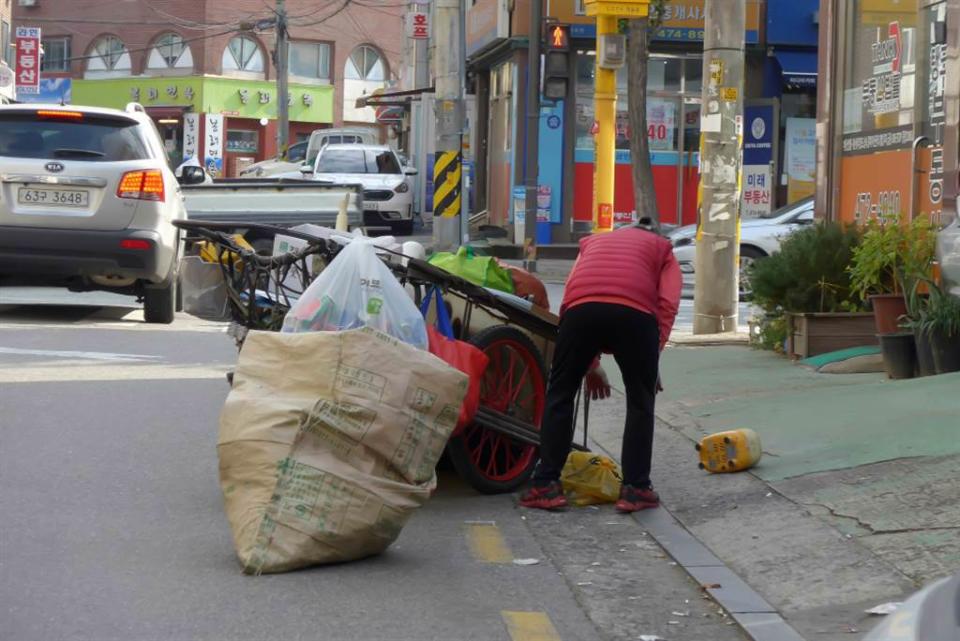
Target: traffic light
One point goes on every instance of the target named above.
(556, 72)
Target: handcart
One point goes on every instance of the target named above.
(497, 452)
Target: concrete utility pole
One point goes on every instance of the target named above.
(464, 179)
(716, 293)
(532, 166)
(281, 61)
(447, 170)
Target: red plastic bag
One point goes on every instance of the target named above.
(459, 354)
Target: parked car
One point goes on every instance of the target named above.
(294, 158)
(87, 200)
(387, 197)
(759, 238)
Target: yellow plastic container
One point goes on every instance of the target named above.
(208, 251)
(730, 451)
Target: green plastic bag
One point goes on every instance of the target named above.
(479, 270)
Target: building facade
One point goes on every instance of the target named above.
(780, 90)
(202, 68)
(888, 120)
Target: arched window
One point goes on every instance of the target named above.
(109, 58)
(170, 53)
(243, 54)
(364, 72)
(365, 63)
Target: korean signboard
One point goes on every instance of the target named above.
(28, 60)
(213, 145)
(661, 124)
(758, 187)
(800, 158)
(418, 25)
(191, 135)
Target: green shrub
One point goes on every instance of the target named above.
(809, 273)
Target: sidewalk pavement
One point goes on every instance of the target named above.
(855, 502)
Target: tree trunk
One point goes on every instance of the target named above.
(644, 196)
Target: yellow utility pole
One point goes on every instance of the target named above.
(611, 55)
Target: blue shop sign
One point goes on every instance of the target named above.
(758, 134)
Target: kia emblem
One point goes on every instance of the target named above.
(54, 167)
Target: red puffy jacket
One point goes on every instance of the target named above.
(629, 266)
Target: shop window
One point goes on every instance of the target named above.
(56, 55)
(109, 58)
(243, 54)
(365, 63)
(664, 74)
(880, 67)
(310, 60)
(170, 53)
(693, 75)
(243, 142)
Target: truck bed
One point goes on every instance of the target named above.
(279, 202)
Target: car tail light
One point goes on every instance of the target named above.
(402, 188)
(135, 243)
(142, 185)
(57, 114)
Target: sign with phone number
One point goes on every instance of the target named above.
(669, 33)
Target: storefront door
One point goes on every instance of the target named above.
(500, 155)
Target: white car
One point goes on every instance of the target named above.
(387, 197)
(87, 200)
(759, 238)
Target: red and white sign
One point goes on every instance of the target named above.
(28, 60)
(418, 25)
(389, 113)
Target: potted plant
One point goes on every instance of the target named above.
(941, 323)
(888, 251)
(804, 291)
(914, 322)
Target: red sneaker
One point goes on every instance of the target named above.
(633, 499)
(545, 497)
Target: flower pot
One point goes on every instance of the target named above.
(818, 333)
(925, 364)
(946, 352)
(887, 310)
(899, 354)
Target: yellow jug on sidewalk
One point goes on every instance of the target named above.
(730, 451)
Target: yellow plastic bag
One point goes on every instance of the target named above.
(589, 478)
(208, 251)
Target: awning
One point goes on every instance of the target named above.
(799, 68)
(171, 112)
(395, 99)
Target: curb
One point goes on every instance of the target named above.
(758, 619)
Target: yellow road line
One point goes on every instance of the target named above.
(487, 544)
(529, 626)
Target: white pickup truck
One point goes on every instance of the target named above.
(269, 201)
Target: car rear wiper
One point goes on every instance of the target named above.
(60, 153)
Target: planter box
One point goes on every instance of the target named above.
(814, 334)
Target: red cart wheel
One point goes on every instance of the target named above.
(513, 383)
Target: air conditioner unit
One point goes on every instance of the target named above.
(27, 3)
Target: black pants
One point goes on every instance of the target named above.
(634, 339)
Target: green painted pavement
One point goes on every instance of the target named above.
(808, 422)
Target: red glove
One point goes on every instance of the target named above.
(598, 387)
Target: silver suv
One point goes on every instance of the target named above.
(87, 200)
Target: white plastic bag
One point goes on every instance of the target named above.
(357, 289)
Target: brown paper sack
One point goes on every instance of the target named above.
(328, 443)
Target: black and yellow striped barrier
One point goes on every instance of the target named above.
(446, 184)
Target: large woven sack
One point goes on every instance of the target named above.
(328, 443)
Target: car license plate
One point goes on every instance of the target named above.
(372, 205)
(56, 197)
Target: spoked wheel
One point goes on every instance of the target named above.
(514, 384)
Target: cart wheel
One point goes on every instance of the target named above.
(514, 384)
